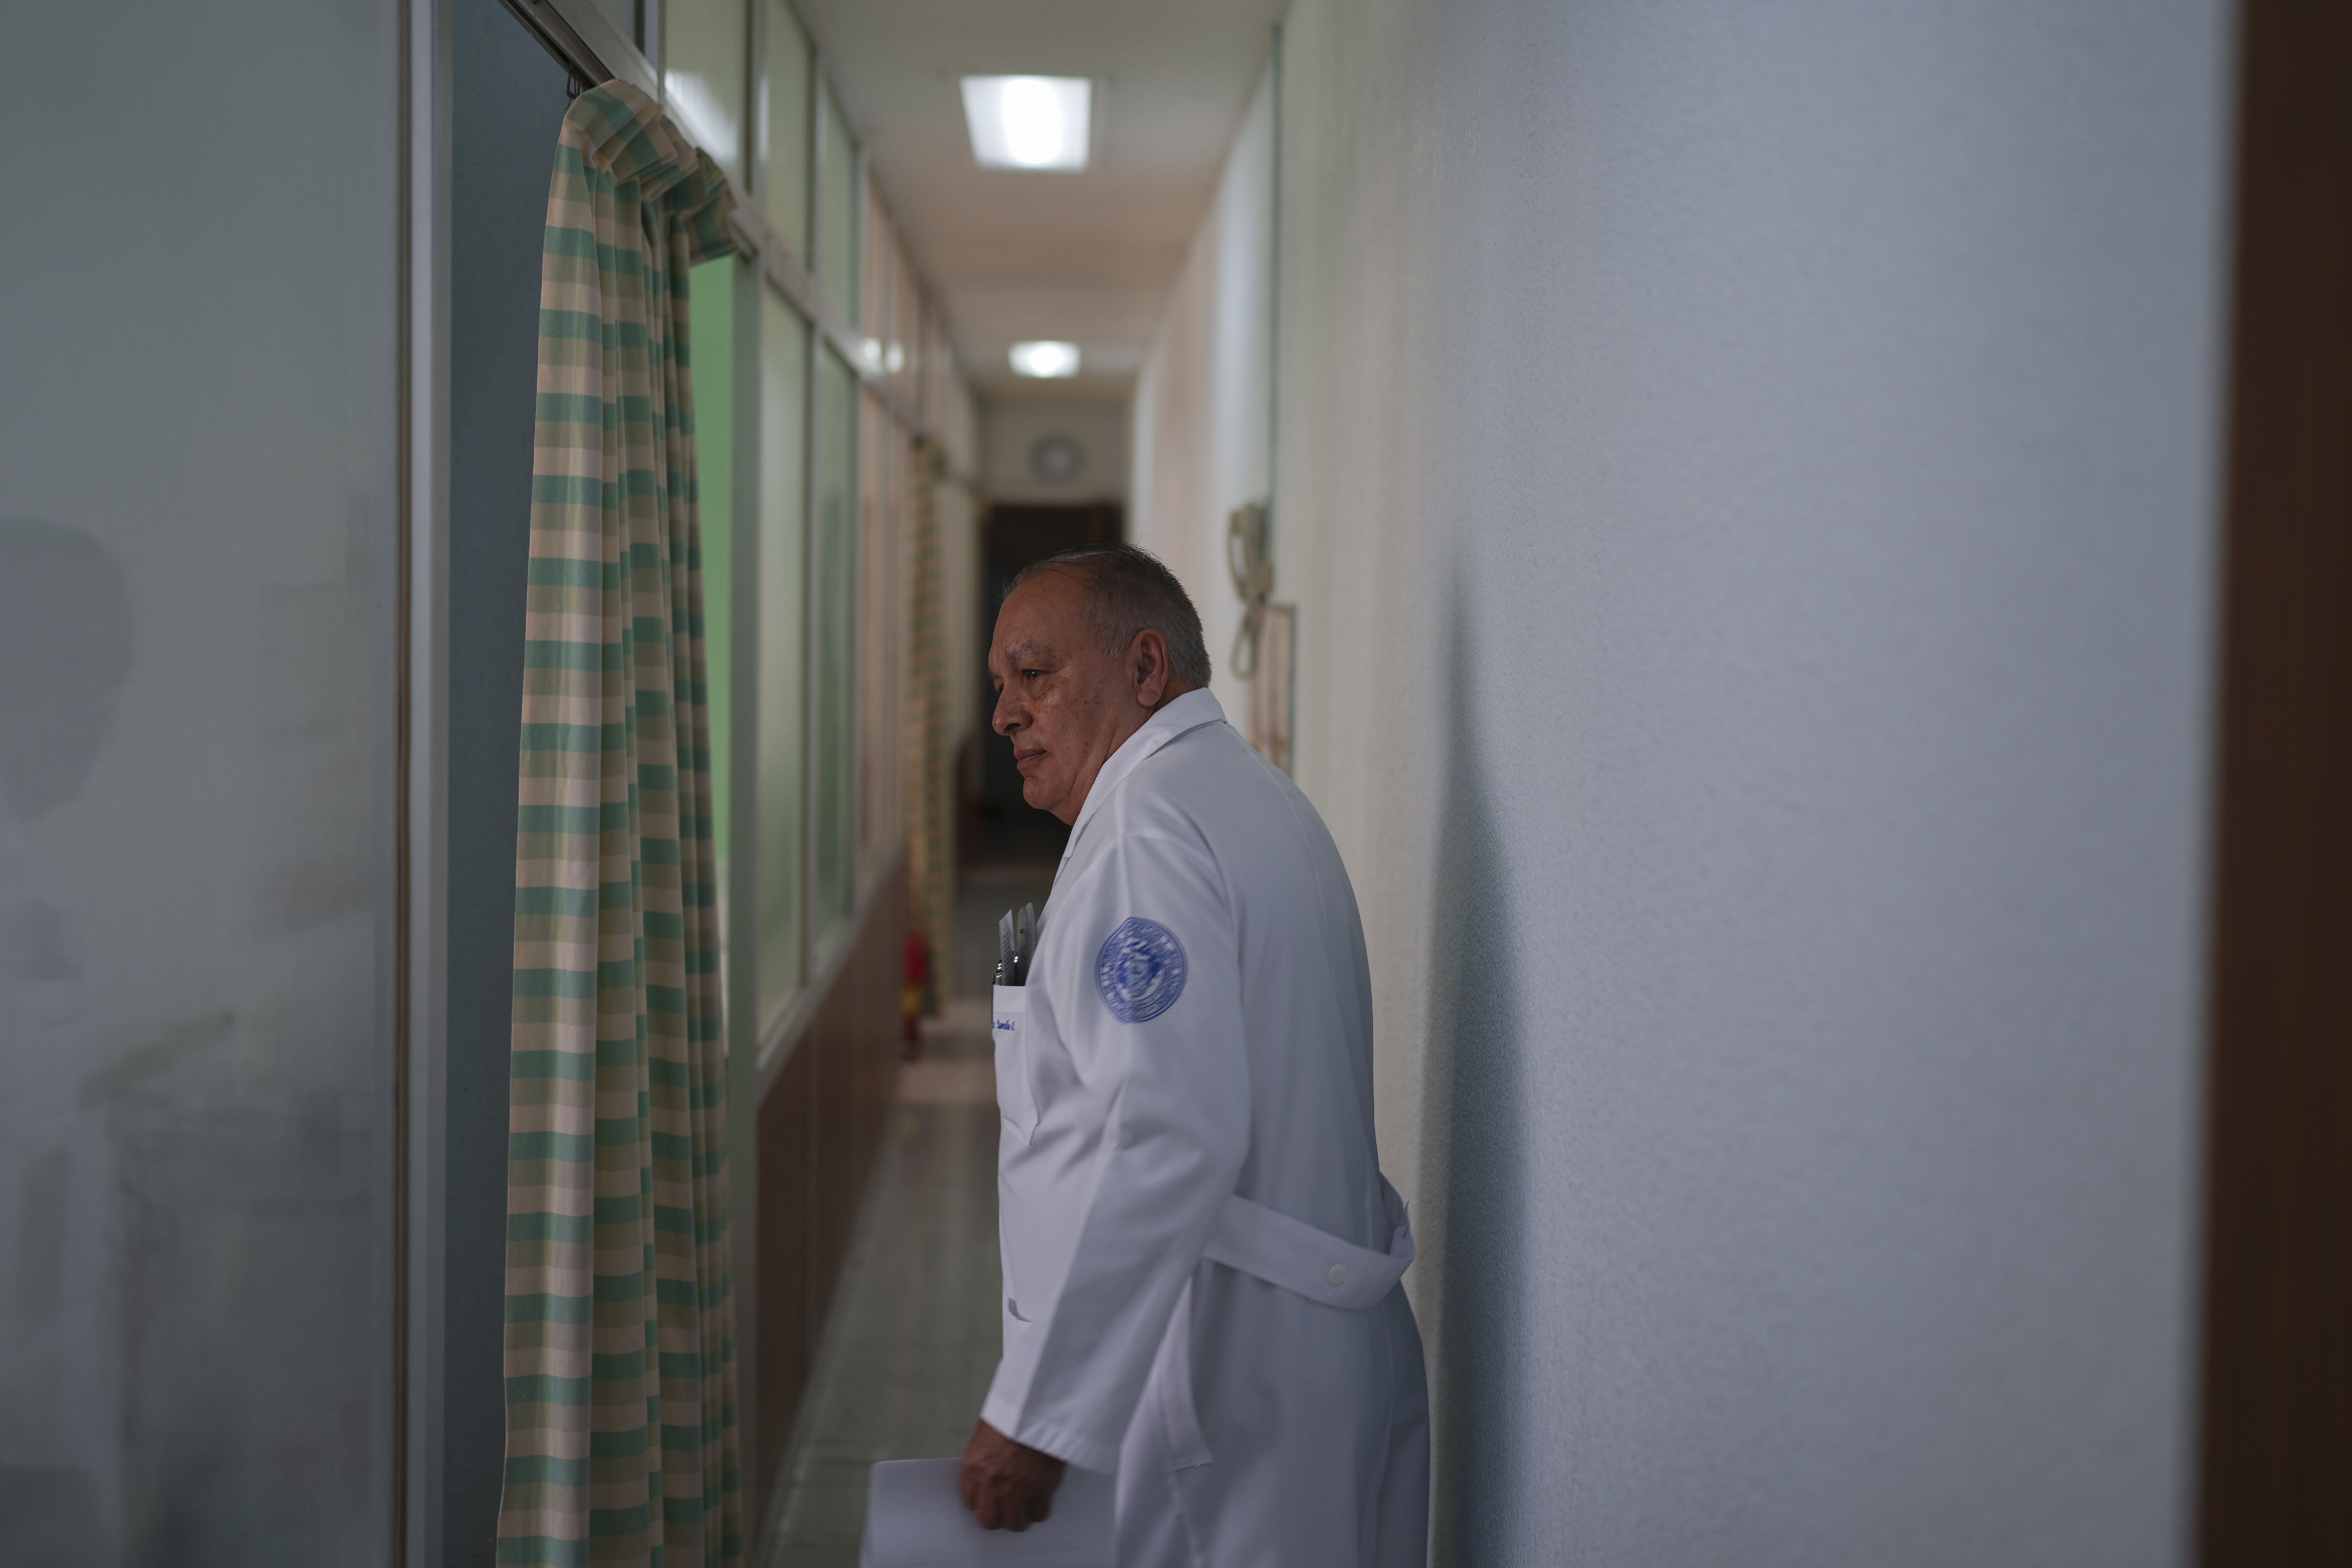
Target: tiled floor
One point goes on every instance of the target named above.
(913, 1336)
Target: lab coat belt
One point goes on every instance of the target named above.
(1270, 1245)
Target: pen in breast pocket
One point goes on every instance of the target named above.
(1016, 943)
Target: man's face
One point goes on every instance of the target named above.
(1064, 702)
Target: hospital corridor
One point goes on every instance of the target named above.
(1251, 784)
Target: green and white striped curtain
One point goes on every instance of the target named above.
(620, 1372)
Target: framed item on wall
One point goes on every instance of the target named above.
(1269, 689)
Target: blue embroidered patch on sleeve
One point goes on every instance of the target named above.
(1139, 970)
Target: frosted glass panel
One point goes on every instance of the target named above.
(712, 287)
(197, 587)
(783, 649)
(838, 206)
(622, 15)
(882, 465)
(836, 616)
(705, 71)
(783, 191)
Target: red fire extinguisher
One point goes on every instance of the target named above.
(910, 995)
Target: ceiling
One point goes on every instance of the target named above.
(1017, 254)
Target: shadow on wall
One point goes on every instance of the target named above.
(1473, 1140)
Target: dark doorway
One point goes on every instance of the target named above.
(1001, 826)
(2277, 1438)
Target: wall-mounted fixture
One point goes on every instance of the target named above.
(1048, 360)
(1029, 121)
(1263, 642)
(1055, 459)
(1249, 557)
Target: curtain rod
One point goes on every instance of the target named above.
(591, 49)
(586, 45)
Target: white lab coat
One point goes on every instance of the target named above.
(1197, 1028)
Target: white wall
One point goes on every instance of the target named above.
(1201, 426)
(1747, 476)
(1010, 428)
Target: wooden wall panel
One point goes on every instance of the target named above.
(2277, 1420)
(875, 1074)
(833, 1044)
(819, 1128)
(781, 1334)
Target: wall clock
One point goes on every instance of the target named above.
(1055, 459)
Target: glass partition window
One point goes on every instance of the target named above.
(713, 370)
(837, 585)
(905, 357)
(782, 639)
(199, 579)
(706, 42)
(838, 213)
(622, 15)
(784, 114)
(877, 300)
(879, 667)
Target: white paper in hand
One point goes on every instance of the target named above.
(916, 1519)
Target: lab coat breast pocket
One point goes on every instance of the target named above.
(1015, 1100)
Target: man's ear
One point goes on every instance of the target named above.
(1148, 661)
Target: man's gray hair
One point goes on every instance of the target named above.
(1132, 592)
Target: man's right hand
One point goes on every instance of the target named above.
(1008, 1485)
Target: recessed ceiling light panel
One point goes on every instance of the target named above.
(1028, 122)
(1047, 359)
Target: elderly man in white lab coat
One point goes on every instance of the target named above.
(1201, 1255)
